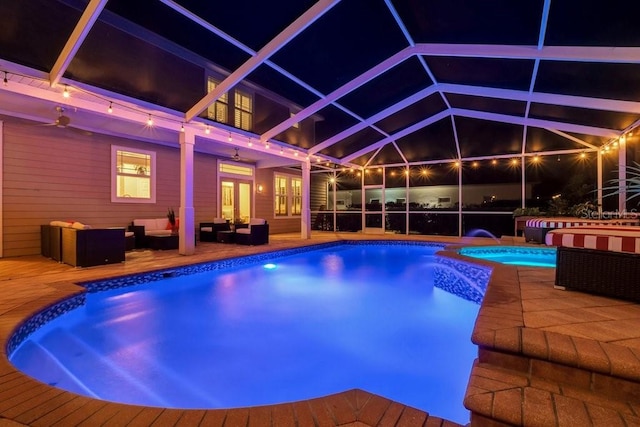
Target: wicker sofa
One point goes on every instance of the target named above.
(143, 228)
(80, 245)
(598, 260)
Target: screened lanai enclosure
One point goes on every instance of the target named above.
(401, 116)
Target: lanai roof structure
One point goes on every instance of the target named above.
(390, 82)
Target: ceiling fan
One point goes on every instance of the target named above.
(61, 121)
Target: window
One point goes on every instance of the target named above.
(133, 175)
(219, 110)
(281, 196)
(243, 111)
(296, 196)
(288, 195)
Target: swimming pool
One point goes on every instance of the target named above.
(273, 330)
(515, 255)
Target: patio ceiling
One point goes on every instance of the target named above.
(391, 81)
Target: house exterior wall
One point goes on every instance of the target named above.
(65, 174)
(265, 204)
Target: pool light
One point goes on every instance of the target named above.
(270, 266)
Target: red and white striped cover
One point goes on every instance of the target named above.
(564, 222)
(617, 239)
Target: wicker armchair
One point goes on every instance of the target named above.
(254, 233)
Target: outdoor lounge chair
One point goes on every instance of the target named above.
(254, 233)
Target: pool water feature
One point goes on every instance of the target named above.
(284, 329)
(514, 255)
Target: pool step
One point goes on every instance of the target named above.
(493, 392)
(78, 357)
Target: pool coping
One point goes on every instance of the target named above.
(558, 377)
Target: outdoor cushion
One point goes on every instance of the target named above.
(616, 239)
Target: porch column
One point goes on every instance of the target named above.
(599, 182)
(187, 226)
(622, 175)
(305, 218)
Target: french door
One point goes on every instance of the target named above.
(235, 200)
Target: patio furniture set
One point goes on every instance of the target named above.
(80, 245)
(255, 232)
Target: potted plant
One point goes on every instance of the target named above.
(171, 215)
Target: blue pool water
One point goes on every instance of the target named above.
(515, 255)
(290, 328)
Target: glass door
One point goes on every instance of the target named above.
(235, 200)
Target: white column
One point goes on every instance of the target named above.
(599, 173)
(460, 198)
(187, 227)
(305, 219)
(622, 175)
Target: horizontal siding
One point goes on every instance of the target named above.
(265, 203)
(61, 174)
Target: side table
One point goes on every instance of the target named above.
(226, 236)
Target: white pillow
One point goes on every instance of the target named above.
(219, 221)
(80, 226)
(161, 223)
(60, 223)
(207, 229)
(256, 221)
(243, 230)
(149, 224)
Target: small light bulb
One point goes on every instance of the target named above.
(110, 109)
(149, 121)
(65, 93)
(182, 128)
(6, 82)
(207, 130)
(267, 146)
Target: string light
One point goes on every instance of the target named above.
(281, 150)
(182, 127)
(5, 81)
(494, 162)
(267, 146)
(207, 130)
(65, 93)
(230, 138)
(250, 144)
(110, 109)
(149, 121)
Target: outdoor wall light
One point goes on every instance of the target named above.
(259, 189)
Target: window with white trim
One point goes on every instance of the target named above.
(219, 110)
(133, 175)
(243, 111)
(288, 195)
(296, 196)
(281, 196)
